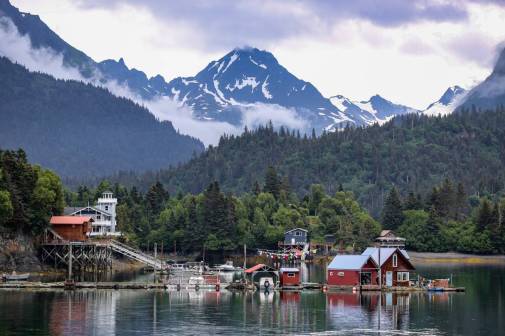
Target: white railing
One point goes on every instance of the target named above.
(135, 254)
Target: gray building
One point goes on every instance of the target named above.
(296, 236)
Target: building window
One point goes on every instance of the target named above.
(395, 260)
(298, 233)
(402, 276)
(98, 217)
(106, 208)
(341, 274)
(291, 275)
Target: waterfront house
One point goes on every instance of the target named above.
(289, 277)
(72, 228)
(103, 214)
(388, 238)
(296, 236)
(394, 264)
(352, 270)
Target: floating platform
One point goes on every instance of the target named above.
(375, 288)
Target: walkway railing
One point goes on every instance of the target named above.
(135, 254)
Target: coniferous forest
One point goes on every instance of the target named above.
(412, 153)
(436, 181)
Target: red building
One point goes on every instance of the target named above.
(394, 263)
(289, 277)
(352, 270)
(72, 228)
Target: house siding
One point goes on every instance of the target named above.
(351, 277)
(300, 239)
(402, 266)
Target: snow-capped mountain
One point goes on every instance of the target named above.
(449, 101)
(375, 110)
(246, 77)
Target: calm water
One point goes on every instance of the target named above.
(479, 311)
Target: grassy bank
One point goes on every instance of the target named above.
(453, 257)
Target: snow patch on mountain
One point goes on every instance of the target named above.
(447, 103)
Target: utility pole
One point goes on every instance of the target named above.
(69, 261)
(245, 256)
(155, 259)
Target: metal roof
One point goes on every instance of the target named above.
(73, 210)
(70, 220)
(386, 252)
(349, 262)
(295, 229)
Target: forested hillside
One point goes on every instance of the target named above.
(77, 129)
(412, 152)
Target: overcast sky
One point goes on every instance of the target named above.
(408, 51)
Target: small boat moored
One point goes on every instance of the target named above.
(15, 277)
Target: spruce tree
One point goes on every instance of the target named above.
(392, 215)
(484, 215)
(272, 182)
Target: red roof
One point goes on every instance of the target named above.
(75, 220)
(254, 268)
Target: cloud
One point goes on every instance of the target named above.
(18, 48)
(261, 114)
(225, 24)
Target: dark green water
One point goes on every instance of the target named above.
(479, 311)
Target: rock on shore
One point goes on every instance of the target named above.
(18, 253)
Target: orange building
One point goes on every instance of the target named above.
(72, 228)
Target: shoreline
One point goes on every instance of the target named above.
(456, 258)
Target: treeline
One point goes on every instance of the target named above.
(446, 219)
(215, 221)
(411, 152)
(29, 195)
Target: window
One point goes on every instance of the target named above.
(341, 274)
(291, 275)
(402, 276)
(106, 208)
(395, 260)
(98, 217)
(298, 233)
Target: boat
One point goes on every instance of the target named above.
(227, 267)
(16, 277)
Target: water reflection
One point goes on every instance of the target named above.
(132, 312)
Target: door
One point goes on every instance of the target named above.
(389, 279)
(292, 241)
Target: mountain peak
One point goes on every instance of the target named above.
(450, 93)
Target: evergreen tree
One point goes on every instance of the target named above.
(484, 215)
(272, 182)
(413, 202)
(392, 216)
(461, 202)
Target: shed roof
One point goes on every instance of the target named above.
(70, 220)
(349, 262)
(386, 252)
(258, 267)
(289, 269)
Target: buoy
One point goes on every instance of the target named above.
(325, 288)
